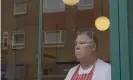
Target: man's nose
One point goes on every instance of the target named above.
(77, 47)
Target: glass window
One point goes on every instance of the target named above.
(18, 40)
(49, 7)
(85, 4)
(54, 38)
(5, 40)
(20, 7)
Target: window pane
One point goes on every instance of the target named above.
(48, 6)
(19, 38)
(86, 2)
(20, 7)
(5, 42)
(60, 25)
(53, 37)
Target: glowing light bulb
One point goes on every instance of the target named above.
(102, 23)
(70, 2)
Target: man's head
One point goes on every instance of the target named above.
(85, 45)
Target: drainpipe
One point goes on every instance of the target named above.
(40, 54)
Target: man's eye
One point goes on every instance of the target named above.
(82, 42)
(75, 43)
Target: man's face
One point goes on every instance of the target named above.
(83, 47)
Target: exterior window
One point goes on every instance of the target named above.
(85, 4)
(18, 40)
(5, 40)
(20, 7)
(54, 38)
(53, 6)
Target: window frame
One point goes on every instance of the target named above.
(24, 2)
(53, 10)
(5, 35)
(84, 7)
(20, 45)
(54, 44)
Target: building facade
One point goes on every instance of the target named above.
(20, 23)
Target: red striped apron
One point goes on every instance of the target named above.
(88, 76)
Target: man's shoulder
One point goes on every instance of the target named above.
(74, 68)
(71, 72)
(103, 70)
(102, 65)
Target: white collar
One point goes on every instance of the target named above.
(82, 71)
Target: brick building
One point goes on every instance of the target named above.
(20, 22)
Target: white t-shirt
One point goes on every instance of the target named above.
(102, 71)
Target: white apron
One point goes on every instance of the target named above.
(102, 71)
